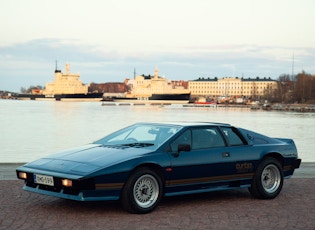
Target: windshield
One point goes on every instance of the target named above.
(140, 135)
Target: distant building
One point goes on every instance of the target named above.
(109, 87)
(232, 87)
(37, 91)
(67, 83)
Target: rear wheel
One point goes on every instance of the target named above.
(142, 192)
(268, 179)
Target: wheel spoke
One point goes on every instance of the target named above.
(270, 178)
(146, 191)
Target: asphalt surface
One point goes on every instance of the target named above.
(294, 208)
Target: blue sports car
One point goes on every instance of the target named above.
(140, 164)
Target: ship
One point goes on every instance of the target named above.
(154, 89)
(168, 96)
(66, 86)
(79, 96)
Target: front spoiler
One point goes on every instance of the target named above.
(82, 196)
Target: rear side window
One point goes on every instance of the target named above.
(208, 137)
(232, 136)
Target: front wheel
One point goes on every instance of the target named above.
(142, 192)
(268, 179)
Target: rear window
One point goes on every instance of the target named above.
(232, 136)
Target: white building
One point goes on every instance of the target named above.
(232, 87)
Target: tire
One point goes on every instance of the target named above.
(142, 191)
(268, 179)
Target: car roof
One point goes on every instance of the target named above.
(187, 123)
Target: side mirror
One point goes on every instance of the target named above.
(182, 148)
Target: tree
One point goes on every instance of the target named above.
(29, 90)
(285, 89)
(305, 87)
(23, 90)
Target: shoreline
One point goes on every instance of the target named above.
(7, 170)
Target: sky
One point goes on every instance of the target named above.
(107, 40)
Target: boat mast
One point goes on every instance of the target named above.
(56, 67)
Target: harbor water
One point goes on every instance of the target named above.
(33, 129)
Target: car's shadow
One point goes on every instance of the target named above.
(216, 196)
(172, 202)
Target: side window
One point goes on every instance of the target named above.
(232, 137)
(206, 138)
(184, 138)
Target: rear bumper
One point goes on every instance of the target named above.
(296, 163)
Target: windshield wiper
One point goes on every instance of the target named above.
(132, 145)
(138, 144)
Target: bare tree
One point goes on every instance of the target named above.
(304, 90)
(285, 89)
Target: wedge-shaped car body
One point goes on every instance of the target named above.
(140, 164)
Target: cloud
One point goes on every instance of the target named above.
(33, 62)
(46, 50)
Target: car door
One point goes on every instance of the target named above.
(206, 164)
(243, 154)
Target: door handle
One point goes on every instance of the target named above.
(226, 154)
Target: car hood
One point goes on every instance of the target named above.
(86, 159)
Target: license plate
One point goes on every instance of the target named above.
(42, 179)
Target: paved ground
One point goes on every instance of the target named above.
(294, 208)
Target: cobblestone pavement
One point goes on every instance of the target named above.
(294, 208)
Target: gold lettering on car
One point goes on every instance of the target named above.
(244, 167)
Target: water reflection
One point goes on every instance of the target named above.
(32, 129)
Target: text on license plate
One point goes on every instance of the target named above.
(42, 179)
